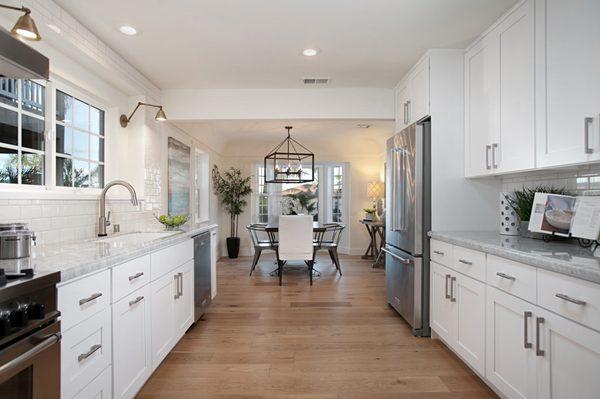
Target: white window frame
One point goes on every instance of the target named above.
(201, 186)
(8, 187)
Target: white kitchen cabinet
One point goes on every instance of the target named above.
(510, 354)
(401, 103)
(163, 317)
(132, 360)
(567, 65)
(469, 334)
(99, 388)
(441, 318)
(412, 95)
(184, 303)
(568, 358)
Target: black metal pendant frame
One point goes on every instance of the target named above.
(288, 151)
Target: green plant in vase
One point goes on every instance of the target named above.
(369, 214)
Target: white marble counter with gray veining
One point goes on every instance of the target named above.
(560, 257)
(75, 259)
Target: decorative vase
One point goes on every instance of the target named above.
(509, 221)
(368, 217)
(233, 247)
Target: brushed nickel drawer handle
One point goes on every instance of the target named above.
(572, 300)
(136, 300)
(526, 315)
(90, 298)
(137, 275)
(466, 262)
(176, 278)
(447, 279)
(538, 350)
(438, 253)
(452, 297)
(89, 353)
(506, 276)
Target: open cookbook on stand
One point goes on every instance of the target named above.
(564, 215)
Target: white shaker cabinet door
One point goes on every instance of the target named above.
(418, 106)
(470, 320)
(184, 304)
(401, 105)
(163, 317)
(568, 61)
(569, 364)
(510, 343)
(132, 359)
(442, 313)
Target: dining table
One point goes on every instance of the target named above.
(317, 227)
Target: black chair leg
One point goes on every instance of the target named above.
(255, 260)
(310, 271)
(337, 260)
(332, 257)
(280, 267)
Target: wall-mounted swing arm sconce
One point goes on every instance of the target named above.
(160, 115)
(25, 26)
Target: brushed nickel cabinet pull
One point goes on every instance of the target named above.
(526, 315)
(466, 262)
(90, 298)
(438, 253)
(452, 297)
(572, 300)
(180, 284)
(506, 276)
(494, 158)
(488, 148)
(136, 300)
(586, 131)
(176, 277)
(137, 275)
(89, 353)
(538, 350)
(447, 279)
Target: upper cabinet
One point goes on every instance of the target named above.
(412, 95)
(568, 86)
(499, 97)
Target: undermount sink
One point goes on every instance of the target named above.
(138, 236)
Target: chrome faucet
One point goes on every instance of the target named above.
(103, 222)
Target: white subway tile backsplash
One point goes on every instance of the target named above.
(10, 212)
(584, 180)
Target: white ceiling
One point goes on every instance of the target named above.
(257, 43)
(249, 137)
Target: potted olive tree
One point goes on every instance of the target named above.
(232, 188)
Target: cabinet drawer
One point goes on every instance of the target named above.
(83, 298)
(99, 388)
(130, 276)
(169, 258)
(469, 262)
(572, 298)
(441, 252)
(512, 277)
(85, 352)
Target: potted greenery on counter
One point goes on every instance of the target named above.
(232, 188)
(522, 202)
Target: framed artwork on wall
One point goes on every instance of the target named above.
(179, 177)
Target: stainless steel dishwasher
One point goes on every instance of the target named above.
(202, 274)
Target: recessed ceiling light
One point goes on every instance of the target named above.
(310, 52)
(128, 30)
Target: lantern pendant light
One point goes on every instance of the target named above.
(284, 163)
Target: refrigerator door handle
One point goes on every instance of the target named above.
(393, 255)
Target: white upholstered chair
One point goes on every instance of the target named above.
(295, 242)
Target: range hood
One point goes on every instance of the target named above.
(19, 61)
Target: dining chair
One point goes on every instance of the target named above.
(295, 242)
(329, 239)
(260, 241)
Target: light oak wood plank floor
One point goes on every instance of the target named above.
(335, 340)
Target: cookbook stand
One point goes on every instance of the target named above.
(583, 242)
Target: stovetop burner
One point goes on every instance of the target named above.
(6, 277)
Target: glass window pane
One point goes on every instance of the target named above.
(9, 93)
(96, 148)
(33, 97)
(64, 107)
(96, 175)
(82, 114)
(96, 121)
(32, 132)
(33, 168)
(8, 126)
(81, 144)
(81, 174)
(64, 140)
(9, 166)
(64, 169)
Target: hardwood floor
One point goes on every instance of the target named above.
(337, 339)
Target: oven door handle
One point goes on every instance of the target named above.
(46, 342)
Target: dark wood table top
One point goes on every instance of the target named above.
(317, 227)
(378, 223)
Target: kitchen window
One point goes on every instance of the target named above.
(337, 191)
(22, 132)
(201, 187)
(79, 143)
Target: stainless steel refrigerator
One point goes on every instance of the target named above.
(408, 219)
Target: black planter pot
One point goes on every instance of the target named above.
(233, 247)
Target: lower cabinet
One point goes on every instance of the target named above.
(184, 303)
(99, 388)
(458, 313)
(131, 343)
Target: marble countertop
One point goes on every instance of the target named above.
(560, 257)
(75, 259)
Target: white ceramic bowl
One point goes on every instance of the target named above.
(559, 218)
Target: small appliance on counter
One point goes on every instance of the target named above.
(16, 240)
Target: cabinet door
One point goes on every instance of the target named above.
(470, 321)
(442, 314)
(184, 304)
(401, 106)
(515, 145)
(481, 105)
(99, 388)
(510, 342)
(132, 360)
(570, 364)
(568, 35)
(418, 105)
(163, 317)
